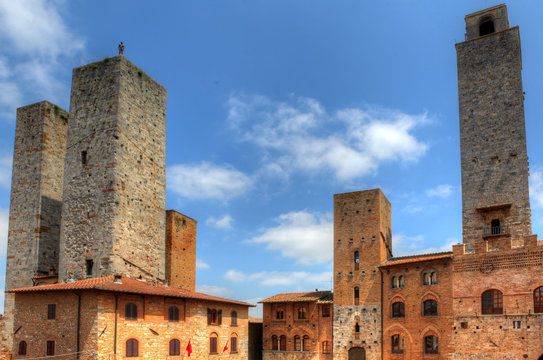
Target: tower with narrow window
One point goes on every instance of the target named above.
(494, 161)
(362, 241)
(113, 217)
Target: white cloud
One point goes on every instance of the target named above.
(300, 235)
(36, 48)
(207, 181)
(36, 27)
(223, 222)
(5, 170)
(403, 245)
(442, 191)
(302, 136)
(200, 264)
(4, 222)
(213, 290)
(536, 188)
(277, 278)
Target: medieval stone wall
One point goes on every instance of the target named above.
(114, 189)
(494, 160)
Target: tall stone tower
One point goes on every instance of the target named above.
(362, 241)
(113, 217)
(495, 201)
(180, 250)
(36, 199)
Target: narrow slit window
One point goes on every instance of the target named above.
(84, 157)
(89, 263)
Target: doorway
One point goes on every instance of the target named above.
(357, 353)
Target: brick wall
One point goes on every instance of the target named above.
(415, 326)
(152, 329)
(180, 250)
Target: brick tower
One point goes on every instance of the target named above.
(494, 162)
(113, 218)
(180, 250)
(36, 199)
(362, 241)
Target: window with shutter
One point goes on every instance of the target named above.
(175, 347)
(51, 311)
(50, 348)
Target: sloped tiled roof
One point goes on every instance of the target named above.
(416, 258)
(126, 285)
(312, 296)
(254, 320)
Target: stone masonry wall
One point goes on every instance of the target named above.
(114, 189)
(492, 134)
(36, 199)
(369, 338)
(180, 250)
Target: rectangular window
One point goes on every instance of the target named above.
(234, 344)
(51, 311)
(213, 345)
(279, 315)
(325, 347)
(50, 347)
(326, 311)
(89, 264)
(516, 324)
(84, 158)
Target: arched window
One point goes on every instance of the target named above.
(297, 343)
(233, 343)
(356, 260)
(429, 278)
(431, 344)
(175, 347)
(495, 227)
(173, 313)
(234, 318)
(275, 342)
(302, 313)
(213, 343)
(492, 302)
(430, 308)
(398, 309)
(214, 317)
(131, 311)
(486, 26)
(305, 343)
(397, 344)
(22, 348)
(538, 300)
(401, 282)
(395, 282)
(356, 328)
(132, 348)
(356, 295)
(283, 343)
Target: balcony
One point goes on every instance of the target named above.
(495, 231)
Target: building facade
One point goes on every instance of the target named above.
(97, 268)
(484, 299)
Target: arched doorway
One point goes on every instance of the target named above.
(357, 353)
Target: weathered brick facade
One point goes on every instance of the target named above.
(304, 320)
(180, 250)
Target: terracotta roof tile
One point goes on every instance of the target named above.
(312, 296)
(129, 286)
(416, 258)
(254, 320)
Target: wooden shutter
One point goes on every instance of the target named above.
(219, 321)
(209, 316)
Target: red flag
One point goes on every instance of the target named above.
(189, 349)
(225, 347)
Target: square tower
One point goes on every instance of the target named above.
(362, 241)
(494, 162)
(180, 250)
(113, 217)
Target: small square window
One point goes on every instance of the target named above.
(516, 324)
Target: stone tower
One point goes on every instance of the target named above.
(113, 217)
(180, 250)
(362, 241)
(495, 201)
(36, 199)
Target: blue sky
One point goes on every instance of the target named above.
(274, 106)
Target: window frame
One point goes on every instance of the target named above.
(297, 343)
(132, 348)
(429, 310)
(175, 347)
(233, 344)
(356, 295)
(325, 310)
(325, 347)
(131, 311)
(538, 300)
(50, 350)
(302, 313)
(51, 311)
(431, 344)
(275, 343)
(398, 311)
(282, 343)
(23, 347)
(234, 318)
(492, 302)
(173, 313)
(305, 343)
(396, 344)
(214, 343)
